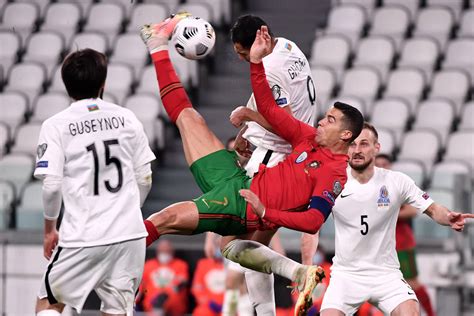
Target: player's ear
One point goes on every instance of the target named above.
(346, 135)
(377, 148)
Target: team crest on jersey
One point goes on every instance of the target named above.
(337, 188)
(302, 157)
(41, 150)
(383, 197)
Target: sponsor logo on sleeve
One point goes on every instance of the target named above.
(281, 101)
(42, 164)
(302, 157)
(41, 150)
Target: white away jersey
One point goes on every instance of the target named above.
(365, 216)
(289, 76)
(95, 147)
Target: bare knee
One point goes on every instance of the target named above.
(190, 117)
(43, 304)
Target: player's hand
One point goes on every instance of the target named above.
(239, 116)
(242, 147)
(458, 220)
(251, 198)
(262, 46)
(49, 243)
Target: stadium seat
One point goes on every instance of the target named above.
(376, 51)
(466, 26)
(412, 168)
(202, 10)
(356, 102)
(455, 6)
(421, 53)
(452, 85)
(467, 117)
(391, 21)
(368, 5)
(13, 109)
(459, 56)
(17, 169)
(126, 5)
(362, 82)
(435, 22)
(461, 147)
(42, 5)
(325, 81)
(7, 202)
(94, 40)
(450, 174)
(216, 9)
(48, 105)
(410, 6)
(186, 69)
(105, 18)
(147, 109)
(406, 83)
(171, 4)
(28, 78)
(110, 98)
(148, 82)
(347, 20)
(427, 229)
(422, 146)
(84, 4)
(29, 215)
(4, 138)
(45, 48)
(385, 110)
(129, 49)
(386, 140)
(435, 114)
(63, 18)
(11, 44)
(444, 197)
(57, 84)
(20, 16)
(331, 51)
(146, 13)
(26, 139)
(119, 80)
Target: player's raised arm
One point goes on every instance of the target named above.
(443, 216)
(282, 122)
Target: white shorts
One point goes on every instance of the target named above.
(114, 271)
(257, 158)
(347, 292)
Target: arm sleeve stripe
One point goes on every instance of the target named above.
(321, 205)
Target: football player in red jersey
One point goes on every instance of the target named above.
(298, 193)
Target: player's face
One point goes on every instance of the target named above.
(330, 128)
(363, 150)
(243, 53)
(383, 162)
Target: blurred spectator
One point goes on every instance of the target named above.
(164, 286)
(209, 285)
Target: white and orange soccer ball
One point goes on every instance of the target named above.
(193, 38)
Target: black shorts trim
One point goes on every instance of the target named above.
(51, 299)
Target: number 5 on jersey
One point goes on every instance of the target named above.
(108, 160)
(365, 225)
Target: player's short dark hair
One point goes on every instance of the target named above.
(353, 119)
(385, 156)
(245, 29)
(371, 128)
(84, 73)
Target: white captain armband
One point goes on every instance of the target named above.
(144, 180)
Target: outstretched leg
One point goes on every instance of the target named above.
(198, 139)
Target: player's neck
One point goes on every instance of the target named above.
(363, 176)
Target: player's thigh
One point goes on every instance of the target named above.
(216, 168)
(392, 291)
(179, 218)
(71, 275)
(125, 268)
(408, 265)
(198, 139)
(345, 294)
(332, 312)
(407, 308)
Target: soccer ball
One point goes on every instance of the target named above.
(193, 38)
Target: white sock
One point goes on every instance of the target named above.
(231, 300)
(245, 306)
(255, 256)
(261, 292)
(48, 312)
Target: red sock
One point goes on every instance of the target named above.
(424, 300)
(153, 233)
(172, 93)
